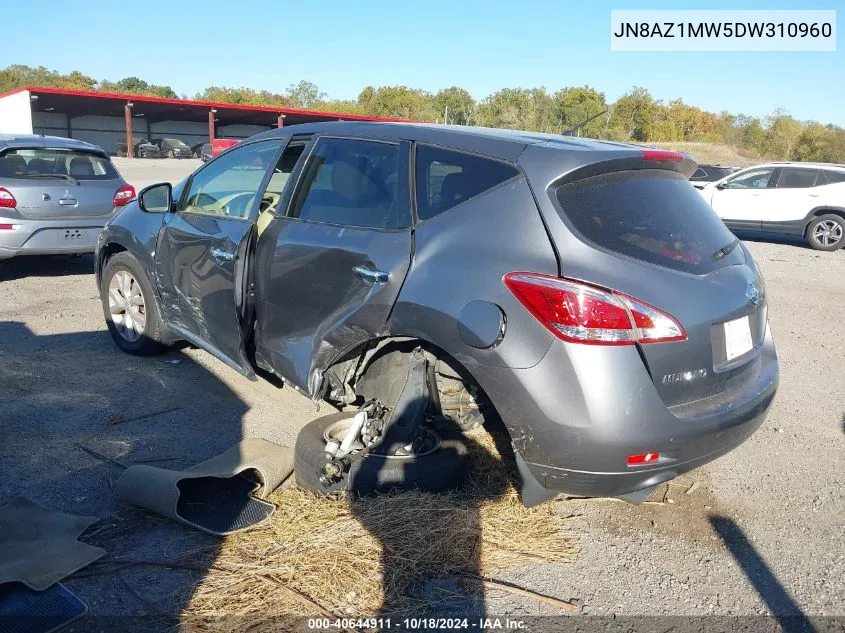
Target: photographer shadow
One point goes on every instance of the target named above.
(431, 543)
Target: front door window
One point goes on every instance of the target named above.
(228, 186)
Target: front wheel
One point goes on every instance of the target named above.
(436, 464)
(129, 305)
(171, 153)
(825, 233)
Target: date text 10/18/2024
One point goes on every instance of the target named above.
(416, 623)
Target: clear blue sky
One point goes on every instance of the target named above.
(344, 45)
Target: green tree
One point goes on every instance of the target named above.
(575, 105)
(520, 109)
(136, 86)
(454, 105)
(782, 133)
(633, 112)
(397, 102)
(304, 95)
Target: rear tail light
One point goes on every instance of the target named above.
(123, 195)
(580, 313)
(7, 200)
(662, 154)
(7, 227)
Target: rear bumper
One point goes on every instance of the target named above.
(48, 237)
(574, 423)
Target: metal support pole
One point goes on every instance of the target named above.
(127, 115)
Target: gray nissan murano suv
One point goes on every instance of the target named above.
(581, 291)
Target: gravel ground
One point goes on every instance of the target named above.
(761, 530)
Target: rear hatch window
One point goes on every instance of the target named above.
(58, 163)
(653, 215)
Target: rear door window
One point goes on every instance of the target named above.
(797, 178)
(649, 214)
(41, 163)
(446, 178)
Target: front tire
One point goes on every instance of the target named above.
(825, 233)
(171, 153)
(130, 308)
(436, 471)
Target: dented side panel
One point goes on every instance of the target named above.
(311, 304)
(197, 282)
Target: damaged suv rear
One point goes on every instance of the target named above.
(580, 291)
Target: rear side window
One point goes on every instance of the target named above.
(832, 176)
(649, 214)
(60, 163)
(446, 178)
(797, 178)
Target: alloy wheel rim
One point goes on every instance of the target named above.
(126, 306)
(828, 232)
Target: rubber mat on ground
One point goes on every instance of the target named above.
(222, 495)
(38, 546)
(23, 610)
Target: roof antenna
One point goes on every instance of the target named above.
(577, 128)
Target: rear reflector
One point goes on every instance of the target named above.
(579, 313)
(7, 227)
(661, 154)
(7, 200)
(124, 195)
(644, 458)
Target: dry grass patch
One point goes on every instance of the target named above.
(359, 557)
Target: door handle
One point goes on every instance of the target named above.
(222, 255)
(371, 275)
(67, 202)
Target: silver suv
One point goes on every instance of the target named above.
(56, 194)
(581, 291)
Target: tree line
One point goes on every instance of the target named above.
(581, 110)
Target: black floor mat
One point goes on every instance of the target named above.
(221, 505)
(23, 610)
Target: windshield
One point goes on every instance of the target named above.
(60, 163)
(175, 142)
(650, 214)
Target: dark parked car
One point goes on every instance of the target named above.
(202, 151)
(173, 148)
(580, 291)
(709, 173)
(56, 194)
(142, 149)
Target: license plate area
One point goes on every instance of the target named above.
(737, 338)
(734, 341)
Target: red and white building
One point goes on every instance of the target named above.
(105, 118)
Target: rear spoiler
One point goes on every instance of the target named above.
(648, 158)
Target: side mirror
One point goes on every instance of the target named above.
(722, 185)
(156, 198)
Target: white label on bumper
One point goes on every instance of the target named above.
(737, 338)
